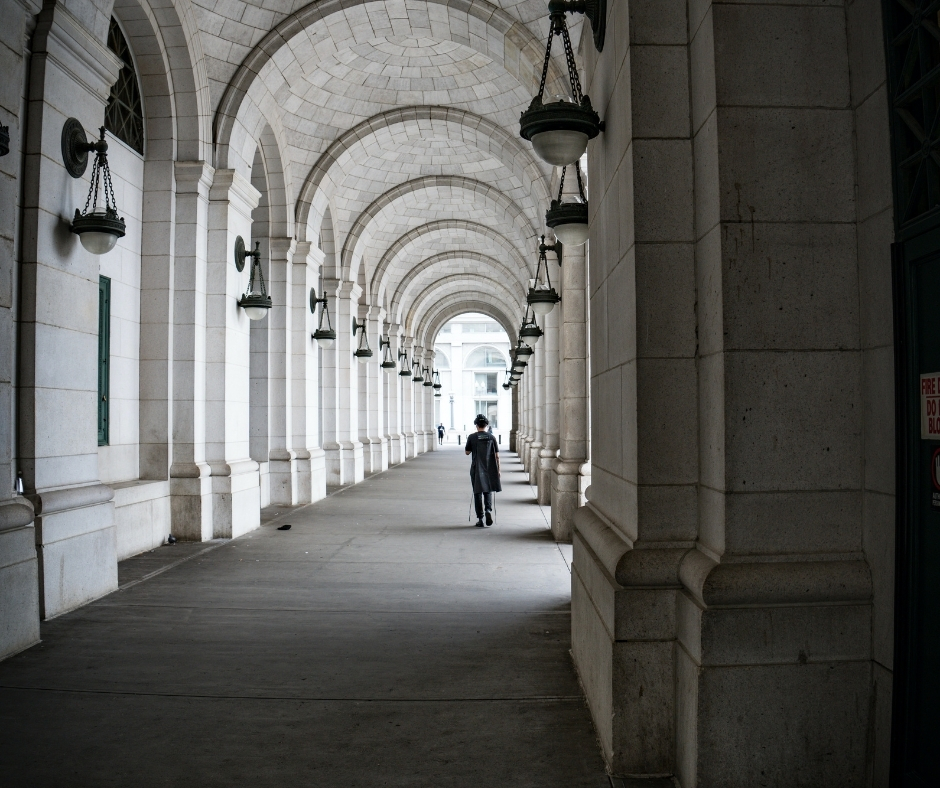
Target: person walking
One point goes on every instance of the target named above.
(484, 470)
(440, 434)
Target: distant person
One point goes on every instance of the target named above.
(484, 470)
(440, 434)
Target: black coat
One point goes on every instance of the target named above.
(484, 472)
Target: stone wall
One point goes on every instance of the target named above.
(725, 563)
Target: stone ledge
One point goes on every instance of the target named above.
(15, 513)
(139, 490)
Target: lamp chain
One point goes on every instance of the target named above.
(560, 27)
(572, 66)
(99, 170)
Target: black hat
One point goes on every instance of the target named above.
(481, 420)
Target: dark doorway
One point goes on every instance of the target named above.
(912, 31)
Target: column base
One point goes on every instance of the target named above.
(75, 546)
(284, 479)
(236, 498)
(317, 474)
(547, 460)
(566, 498)
(19, 578)
(396, 454)
(410, 453)
(344, 463)
(191, 503)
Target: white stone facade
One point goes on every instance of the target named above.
(732, 518)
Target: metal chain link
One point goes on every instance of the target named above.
(572, 66)
(580, 182)
(561, 183)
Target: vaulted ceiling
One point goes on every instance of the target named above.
(393, 129)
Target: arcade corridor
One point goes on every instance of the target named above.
(382, 641)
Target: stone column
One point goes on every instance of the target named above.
(371, 416)
(538, 411)
(549, 451)
(407, 405)
(344, 458)
(430, 439)
(19, 567)
(58, 327)
(573, 421)
(284, 470)
(393, 395)
(719, 593)
(310, 458)
(190, 485)
(236, 492)
(513, 433)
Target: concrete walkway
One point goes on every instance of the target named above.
(382, 641)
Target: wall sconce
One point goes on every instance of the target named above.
(416, 376)
(387, 362)
(542, 296)
(97, 227)
(324, 337)
(4, 140)
(560, 130)
(405, 366)
(530, 333)
(256, 304)
(437, 382)
(569, 220)
(506, 384)
(363, 351)
(427, 377)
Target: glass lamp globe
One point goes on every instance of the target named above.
(326, 342)
(98, 243)
(98, 229)
(542, 307)
(560, 147)
(255, 312)
(573, 234)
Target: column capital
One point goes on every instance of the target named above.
(232, 186)
(193, 177)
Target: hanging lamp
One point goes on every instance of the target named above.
(560, 130)
(256, 303)
(506, 385)
(427, 377)
(363, 351)
(542, 296)
(324, 337)
(98, 227)
(416, 375)
(437, 382)
(405, 366)
(387, 361)
(569, 220)
(530, 333)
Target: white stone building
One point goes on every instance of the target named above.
(718, 413)
(472, 356)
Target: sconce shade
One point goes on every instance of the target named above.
(569, 222)
(324, 337)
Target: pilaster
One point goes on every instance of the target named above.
(236, 491)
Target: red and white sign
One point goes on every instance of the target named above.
(930, 407)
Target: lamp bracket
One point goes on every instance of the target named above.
(594, 10)
(556, 247)
(384, 342)
(357, 326)
(76, 147)
(241, 253)
(314, 300)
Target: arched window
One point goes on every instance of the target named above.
(440, 360)
(485, 357)
(124, 117)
